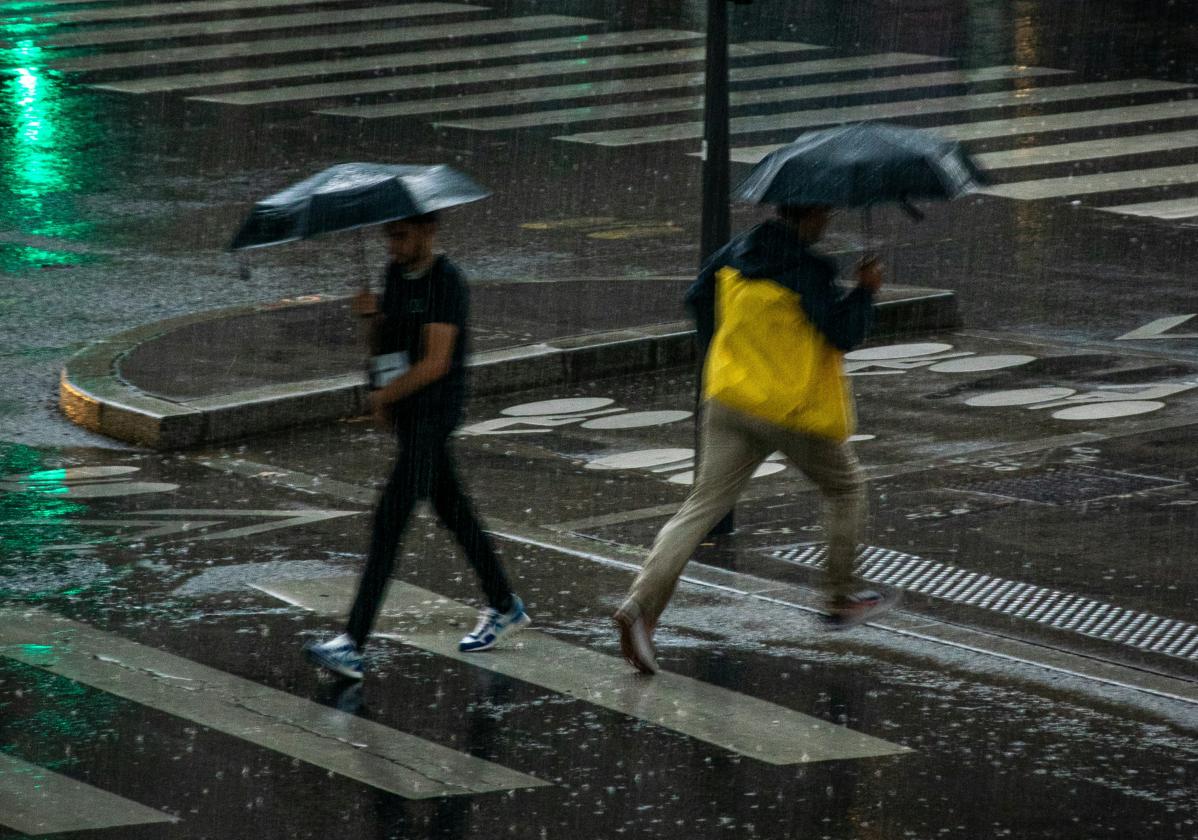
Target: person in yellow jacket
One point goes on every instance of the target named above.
(773, 326)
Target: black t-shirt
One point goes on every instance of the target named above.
(439, 296)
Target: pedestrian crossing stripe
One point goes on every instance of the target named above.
(1174, 109)
(742, 98)
(584, 90)
(394, 36)
(505, 73)
(170, 31)
(736, 722)
(1089, 150)
(354, 747)
(430, 58)
(817, 117)
(35, 801)
(75, 27)
(163, 10)
(1178, 208)
(1105, 182)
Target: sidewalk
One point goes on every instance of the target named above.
(230, 373)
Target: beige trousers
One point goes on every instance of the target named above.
(732, 445)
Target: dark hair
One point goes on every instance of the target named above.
(430, 218)
(796, 212)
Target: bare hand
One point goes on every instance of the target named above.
(380, 410)
(869, 274)
(365, 304)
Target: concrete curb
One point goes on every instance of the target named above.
(93, 395)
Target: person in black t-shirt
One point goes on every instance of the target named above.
(423, 313)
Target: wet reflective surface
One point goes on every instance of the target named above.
(1048, 445)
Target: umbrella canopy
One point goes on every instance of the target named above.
(861, 165)
(352, 195)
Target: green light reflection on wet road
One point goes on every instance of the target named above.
(47, 151)
(23, 547)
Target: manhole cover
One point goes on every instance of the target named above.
(1064, 484)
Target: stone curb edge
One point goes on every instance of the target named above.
(92, 395)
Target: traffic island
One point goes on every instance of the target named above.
(232, 373)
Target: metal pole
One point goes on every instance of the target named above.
(716, 225)
(716, 228)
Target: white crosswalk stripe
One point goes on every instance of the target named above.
(157, 11)
(454, 78)
(424, 58)
(372, 14)
(1101, 183)
(709, 713)
(1178, 208)
(584, 90)
(1071, 120)
(351, 746)
(36, 801)
(753, 97)
(538, 77)
(220, 51)
(1089, 150)
(908, 108)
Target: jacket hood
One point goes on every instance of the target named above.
(770, 249)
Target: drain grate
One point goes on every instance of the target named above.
(1062, 610)
(1067, 484)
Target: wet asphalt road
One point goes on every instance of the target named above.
(119, 205)
(116, 209)
(1000, 747)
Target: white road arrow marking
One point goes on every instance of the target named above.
(1157, 329)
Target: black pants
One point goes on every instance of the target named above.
(423, 470)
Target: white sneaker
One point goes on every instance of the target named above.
(339, 655)
(493, 626)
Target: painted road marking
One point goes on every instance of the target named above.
(161, 10)
(350, 746)
(370, 14)
(584, 90)
(430, 58)
(726, 719)
(284, 519)
(554, 538)
(452, 78)
(35, 801)
(1178, 208)
(1161, 326)
(1062, 610)
(740, 98)
(883, 110)
(991, 129)
(1088, 184)
(192, 528)
(1089, 150)
(279, 46)
(83, 483)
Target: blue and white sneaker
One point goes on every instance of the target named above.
(340, 655)
(493, 626)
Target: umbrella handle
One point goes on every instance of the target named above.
(867, 233)
(360, 241)
(911, 210)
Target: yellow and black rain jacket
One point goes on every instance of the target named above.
(773, 328)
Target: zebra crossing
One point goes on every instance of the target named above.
(1124, 146)
(36, 800)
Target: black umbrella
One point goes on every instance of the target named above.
(861, 165)
(353, 195)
